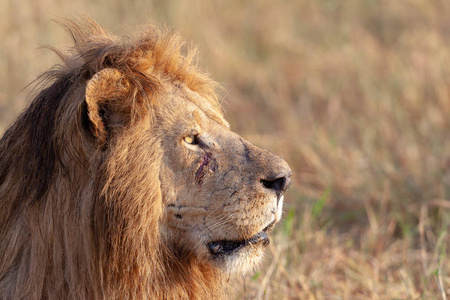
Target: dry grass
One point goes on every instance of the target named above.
(354, 94)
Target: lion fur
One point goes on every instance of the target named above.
(78, 217)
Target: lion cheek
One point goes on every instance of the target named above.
(207, 166)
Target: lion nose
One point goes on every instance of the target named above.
(278, 183)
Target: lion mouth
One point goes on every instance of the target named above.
(226, 247)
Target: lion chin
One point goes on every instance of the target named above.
(123, 180)
(242, 256)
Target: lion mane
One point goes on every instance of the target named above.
(61, 233)
(122, 180)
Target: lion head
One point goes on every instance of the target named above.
(124, 180)
(221, 195)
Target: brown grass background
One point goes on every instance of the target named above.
(354, 94)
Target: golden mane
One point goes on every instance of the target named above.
(61, 235)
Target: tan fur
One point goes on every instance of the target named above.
(101, 197)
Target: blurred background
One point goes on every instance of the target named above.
(354, 94)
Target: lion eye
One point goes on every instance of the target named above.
(191, 139)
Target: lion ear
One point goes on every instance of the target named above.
(104, 92)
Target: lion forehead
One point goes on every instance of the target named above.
(210, 110)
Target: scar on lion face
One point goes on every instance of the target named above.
(204, 167)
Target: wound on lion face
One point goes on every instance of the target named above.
(204, 167)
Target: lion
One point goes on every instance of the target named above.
(123, 180)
